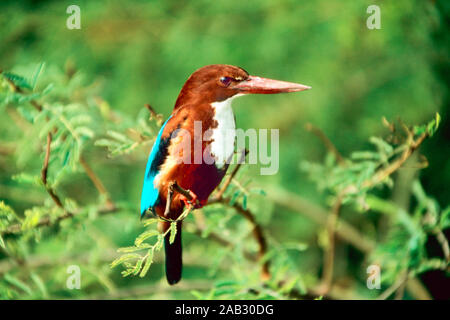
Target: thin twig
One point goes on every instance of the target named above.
(227, 182)
(344, 230)
(47, 221)
(97, 182)
(257, 233)
(397, 284)
(247, 214)
(44, 172)
(154, 114)
(16, 88)
(444, 244)
(382, 174)
(329, 253)
(326, 141)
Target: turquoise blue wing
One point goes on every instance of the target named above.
(158, 154)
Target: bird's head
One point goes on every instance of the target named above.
(219, 82)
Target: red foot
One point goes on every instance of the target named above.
(194, 200)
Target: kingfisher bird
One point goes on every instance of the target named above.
(204, 102)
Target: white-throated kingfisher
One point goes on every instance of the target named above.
(206, 99)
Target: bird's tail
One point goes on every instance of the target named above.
(174, 260)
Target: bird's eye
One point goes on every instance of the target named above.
(226, 81)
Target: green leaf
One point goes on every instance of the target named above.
(36, 75)
(433, 125)
(149, 222)
(105, 143)
(119, 136)
(148, 263)
(234, 197)
(138, 266)
(159, 243)
(19, 81)
(40, 284)
(85, 131)
(445, 218)
(124, 258)
(2, 242)
(32, 218)
(134, 249)
(382, 145)
(365, 155)
(18, 283)
(244, 202)
(145, 235)
(173, 232)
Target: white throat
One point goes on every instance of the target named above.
(224, 135)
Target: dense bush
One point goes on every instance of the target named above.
(363, 156)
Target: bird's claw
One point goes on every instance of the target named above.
(191, 202)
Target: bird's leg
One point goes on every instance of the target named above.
(169, 199)
(187, 196)
(190, 200)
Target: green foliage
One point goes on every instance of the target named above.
(89, 97)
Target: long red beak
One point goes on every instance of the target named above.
(266, 86)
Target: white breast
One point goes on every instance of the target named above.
(223, 136)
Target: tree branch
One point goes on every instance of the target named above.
(382, 174)
(326, 141)
(444, 244)
(47, 221)
(257, 233)
(14, 229)
(227, 182)
(154, 114)
(344, 230)
(97, 182)
(328, 264)
(44, 172)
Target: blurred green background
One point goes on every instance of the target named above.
(136, 52)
